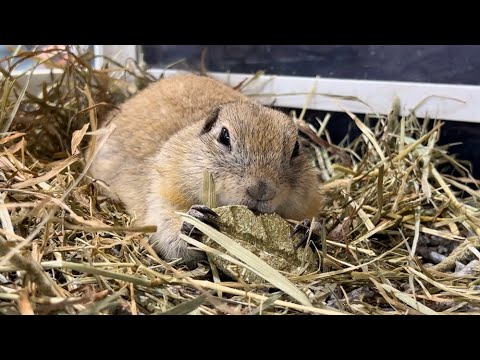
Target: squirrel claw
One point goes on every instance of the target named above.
(205, 215)
(303, 227)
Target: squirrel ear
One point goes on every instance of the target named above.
(211, 119)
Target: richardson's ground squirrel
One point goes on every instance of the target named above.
(169, 133)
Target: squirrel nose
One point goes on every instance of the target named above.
(261, 191)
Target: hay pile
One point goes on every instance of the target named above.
(398, 236)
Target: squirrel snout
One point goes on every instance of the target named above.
(261, 190)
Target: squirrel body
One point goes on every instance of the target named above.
(170, 132)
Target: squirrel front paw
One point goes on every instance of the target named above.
(303, 228)
(205, 215)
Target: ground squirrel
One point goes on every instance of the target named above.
(169, 133)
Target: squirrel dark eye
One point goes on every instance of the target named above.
(224, 138)
(296, 150)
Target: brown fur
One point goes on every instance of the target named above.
(155, 158)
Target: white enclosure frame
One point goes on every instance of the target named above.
(41, 75)
(442, 101)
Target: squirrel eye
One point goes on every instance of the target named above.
(224, 138)
(296, 149)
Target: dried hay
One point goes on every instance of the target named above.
(399, 236)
